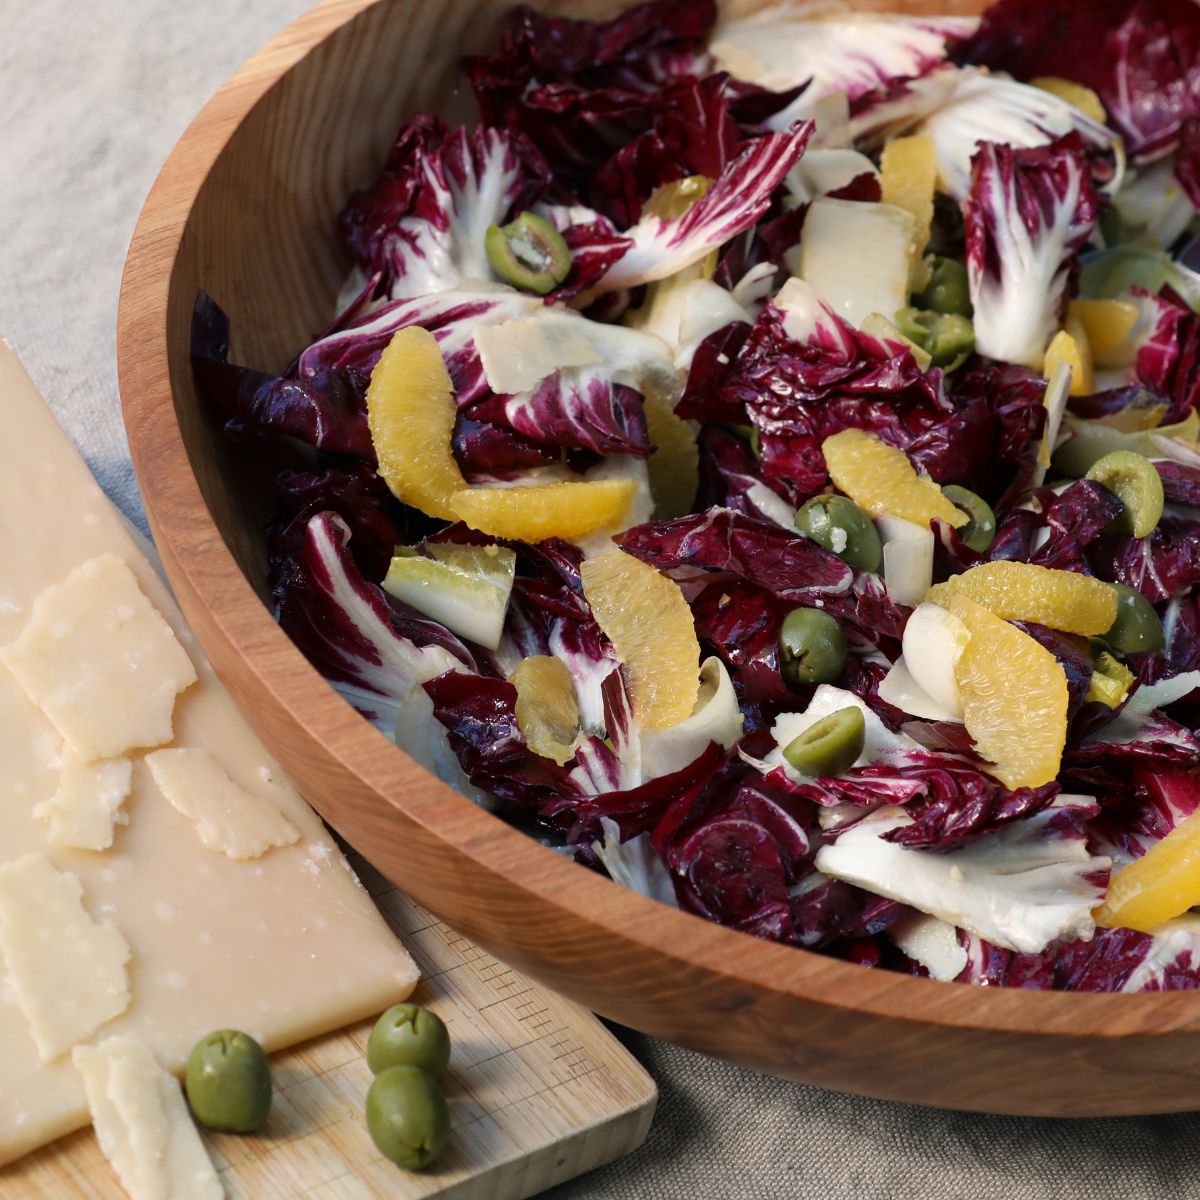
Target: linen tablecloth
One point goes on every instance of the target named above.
(93, 94)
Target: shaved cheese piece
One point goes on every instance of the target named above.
(100, 661)
(842, 235)
(227, 818)
(86, 806)
(66, 971)
(143, 1124)
(518, 355)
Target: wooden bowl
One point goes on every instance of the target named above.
(244, 208)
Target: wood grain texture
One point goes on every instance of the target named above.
(243, 208)
(539, 1092)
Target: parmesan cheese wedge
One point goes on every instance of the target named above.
(86, 806)
(227, 818)
(66, 970)
(286, 947)
(143, 1124)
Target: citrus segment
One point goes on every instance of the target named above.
(674, 466)
(908, 175)
(567, 509)
(1014, 697)
(547, 708)
(1070, 345)
(879, 478)
(1063, 600)
(1107, 323)
(410, 413)
(1163, 883)
(649, 623)
(1083, 98)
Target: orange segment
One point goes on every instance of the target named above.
(410, 413)
(1014, 697)
(908, 175)
(1163, 883)
(880, 479)
(567, 509)
(650, 626)
(1019, 591)
(1070, 345)
(674, 466)
(1107, 323)
(1083, 98)
(547, 709)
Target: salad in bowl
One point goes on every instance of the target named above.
(761, 460)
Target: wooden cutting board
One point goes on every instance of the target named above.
(539, 1092)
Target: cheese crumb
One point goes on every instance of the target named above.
(86, 806)
(227, 818)
(99, 660)
(67, 971)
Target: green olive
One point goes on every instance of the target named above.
(947, 290)
(946, 337)
(228, 1080)
(812, 647)
(1135, 481)
(1137, 629)
(843, 528)
(529, 253)
(407, 1116)
(408, 1035)
(829, 747)
(980, 531)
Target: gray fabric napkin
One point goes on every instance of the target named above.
(93, 95)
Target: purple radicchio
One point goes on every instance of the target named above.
(423, 222)
(739, 197)
(370, 648)
(1142, 59)
(582, 89)
(1113, 960)
(1028, 214)
(1157, 800)
(325, 410)
(1168, 359)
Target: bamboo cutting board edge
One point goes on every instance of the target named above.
(539, 1092)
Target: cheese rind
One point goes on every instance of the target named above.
(66, 971)
(143, 1124)
(227, 818)
(87, 804)
(100, 661)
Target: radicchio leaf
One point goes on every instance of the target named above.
(1028, 213)
(372, 652)
(325, 410)
(726, 543)
(1142, 58)
(423, 222)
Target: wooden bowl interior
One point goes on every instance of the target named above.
(245, 210)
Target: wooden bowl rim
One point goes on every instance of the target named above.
(210, 569)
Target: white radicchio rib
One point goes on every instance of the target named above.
(994, 108)
(854, 53)
(736, 201)
(1023, 887)
(1029, 212)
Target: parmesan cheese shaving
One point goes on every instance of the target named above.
(86, 806)
(227, 818)
(67, 971)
